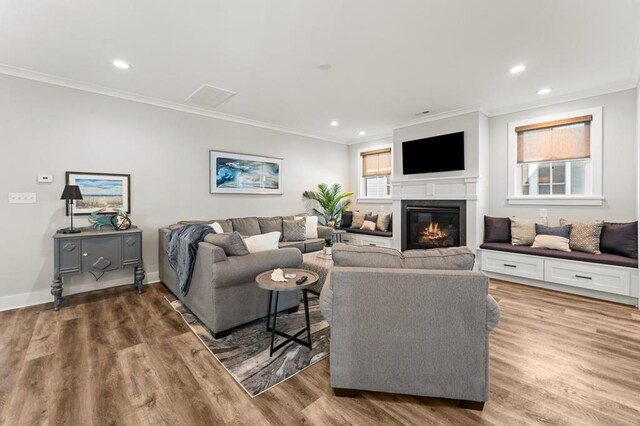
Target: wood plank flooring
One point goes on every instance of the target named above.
(114, 357)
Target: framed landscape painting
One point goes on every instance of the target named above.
(101, 191)
(232, 173)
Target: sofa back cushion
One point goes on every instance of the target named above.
(620, 238)
(226, 224)
(366, 256)
(232, 244)
(246, 226)
(454, 258)
(270, 224)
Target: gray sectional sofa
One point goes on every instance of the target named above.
(223, 293)
(417, 323)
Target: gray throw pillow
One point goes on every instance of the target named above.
(294, 230)
(585, 236)
(233, 244)
(559, 231)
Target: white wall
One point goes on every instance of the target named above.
(619, 160)
(466, 122)
(51, 129)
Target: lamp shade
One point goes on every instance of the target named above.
(71, 192)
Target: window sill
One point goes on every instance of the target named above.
(556, 201)
(374, 200)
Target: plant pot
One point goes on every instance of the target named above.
(327, 251)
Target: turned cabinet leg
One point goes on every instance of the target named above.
(139, 276)
(56, 291)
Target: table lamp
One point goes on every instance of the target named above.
(71, 193)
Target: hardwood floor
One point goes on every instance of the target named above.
(116, 357)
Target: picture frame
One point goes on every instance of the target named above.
(108, 191)
(235, 173)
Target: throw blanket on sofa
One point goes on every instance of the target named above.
(181, 251)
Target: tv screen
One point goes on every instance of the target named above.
(442, 153)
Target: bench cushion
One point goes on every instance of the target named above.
(604, 258)
(375, 233)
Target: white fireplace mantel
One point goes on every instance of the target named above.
(439, 188)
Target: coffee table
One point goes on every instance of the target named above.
(264, 281)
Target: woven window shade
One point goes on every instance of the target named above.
(376, 163)
(568, 139)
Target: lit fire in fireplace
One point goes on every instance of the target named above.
(435, 236)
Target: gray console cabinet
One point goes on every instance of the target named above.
(95, 252)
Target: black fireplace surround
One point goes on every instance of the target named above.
(433, 224)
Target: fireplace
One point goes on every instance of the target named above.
(430, 224)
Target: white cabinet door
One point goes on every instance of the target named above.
(594, 277)
(513, 264)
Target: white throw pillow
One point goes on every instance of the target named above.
(263, 242)
(216, 227)
(367, 224)
(311, 230)
(551, 242)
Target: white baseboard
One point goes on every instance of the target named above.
(44, 296)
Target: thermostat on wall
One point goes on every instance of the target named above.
(45, 178)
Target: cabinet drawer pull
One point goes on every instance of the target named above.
(510, 266)
(583, 276)
(371, 244)
(85, 254)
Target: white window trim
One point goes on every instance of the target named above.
(594, 199)
(361, 198)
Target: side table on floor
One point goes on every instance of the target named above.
(264, 281)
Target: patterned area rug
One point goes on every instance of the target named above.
(245, 353)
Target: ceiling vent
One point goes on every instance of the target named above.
(208, 97)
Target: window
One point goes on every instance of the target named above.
(376, 171)
(556, 160)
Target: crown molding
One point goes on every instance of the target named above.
(114, 93)
(438, 116)
(575, 96)
(375, 138)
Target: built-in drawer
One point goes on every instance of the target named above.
(594, 277)
(375, 241)
(349, 238)
(513, 264)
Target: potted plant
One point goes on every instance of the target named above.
(328, 243)
(332, 202)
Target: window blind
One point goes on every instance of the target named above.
(567, 139)
(376, 163)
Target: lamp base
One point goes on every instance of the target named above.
(70, 231)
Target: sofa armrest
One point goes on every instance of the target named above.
(325, 232)
(242, 269)
(215, 253)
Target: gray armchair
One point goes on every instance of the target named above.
(410, 331)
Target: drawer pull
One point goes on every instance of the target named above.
(583, 276)
(85, 254)
(510, 266)
(371, 244)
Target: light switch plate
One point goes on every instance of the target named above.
(22, 198)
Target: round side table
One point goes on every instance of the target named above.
(264, 281)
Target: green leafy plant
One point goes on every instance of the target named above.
(328, 242)
(332, 202)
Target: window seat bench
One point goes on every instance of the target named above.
(603, 276)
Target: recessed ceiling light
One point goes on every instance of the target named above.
(544, 91)
(324, 67)
(118, 63)
(362, 133)
(334, 123)
(517, 69)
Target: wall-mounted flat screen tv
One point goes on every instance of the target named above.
(442, 153)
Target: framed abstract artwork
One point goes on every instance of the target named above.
(232, 173)
(109, 192)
